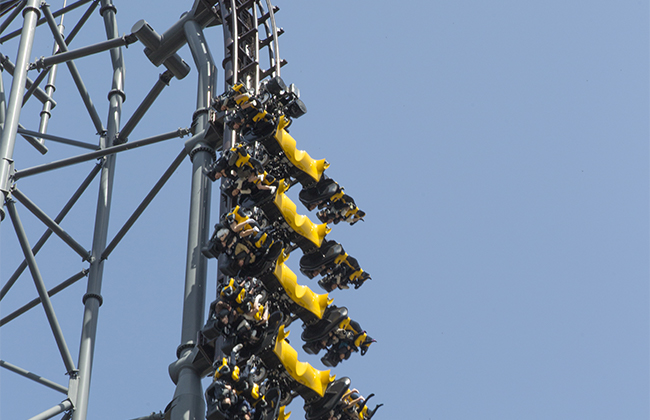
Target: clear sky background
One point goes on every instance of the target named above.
(500, 150)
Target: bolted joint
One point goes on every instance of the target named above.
(29, 8)
(198, 113)
(166, 77)
(38, 64)
(107, 7)
(203, 149)
(117, 92)
(185, 360)
(94, 296)
(119, 140)
(180, 349)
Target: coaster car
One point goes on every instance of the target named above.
(285, 100)
(322, 260)
(301, 231)
(247, 247)
(341, 403)
(344, 274)
(246, 257)
(337, 333)
(239, 107)
(292, 297)
(281, 147)
(278, 355)
(319, 194)
(235, 162)
(222, 401)
(338, 268)
(306, 170)
(236, 394)
(341, 210)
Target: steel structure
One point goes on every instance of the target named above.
(251, 54)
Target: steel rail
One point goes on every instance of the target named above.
(66, 405)
(52, 70)
(66, 56)
(76, 76)
(276, 47)
(256, 49)
(188, 399)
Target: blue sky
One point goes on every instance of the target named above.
(500, 150)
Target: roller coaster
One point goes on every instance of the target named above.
(239, 140)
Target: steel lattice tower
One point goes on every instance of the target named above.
(251, 54)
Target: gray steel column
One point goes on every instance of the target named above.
(92, 299)
(14, 105)
(188, 403)
(50, 87)
(3, 103)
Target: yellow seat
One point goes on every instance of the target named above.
(299, 158)
(302, 372)
(302, 295)
(299, 223)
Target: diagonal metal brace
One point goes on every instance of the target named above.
(43, 239)
(22, 198)
(40, 287)
(35, 302)
(63, 57)
(181, 132)
(34, 377)
(142, 207)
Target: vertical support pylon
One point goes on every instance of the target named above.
(31, 15)
(188, 402)
(92, 299)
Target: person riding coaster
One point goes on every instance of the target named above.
(239, 107)
(342, 275)
(281, 212)
(278, 142)
(341, 210)
(235, 162)
(292, 298)
(334, 205)
(245, 242)
(338, 268)
(278, 364)
(338, 334)
(340, 403)
(236, 392)
(322, 260)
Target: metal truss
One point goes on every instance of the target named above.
(251, 54)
